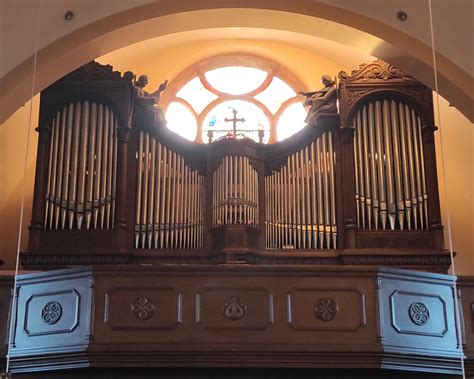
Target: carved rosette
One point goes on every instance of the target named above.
(143, 308)
(326, 309)
(234, 308)
(51, 312)
(419, 313)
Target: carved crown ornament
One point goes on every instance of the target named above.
(93, 71)
(377, 70)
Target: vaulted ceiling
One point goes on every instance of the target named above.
(332, 27)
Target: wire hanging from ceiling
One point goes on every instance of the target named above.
(13, 307)
(443, 173)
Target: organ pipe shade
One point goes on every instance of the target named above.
(170, 199)
(389, 167)
(301, 199)
(82, 168)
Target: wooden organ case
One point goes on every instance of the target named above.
(262, 250)
(114, 186)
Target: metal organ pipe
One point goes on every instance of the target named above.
(236, 197)
(81, 168)
(91, 165)
(170, 201)
(399, 206)
(388, 152)
(301, 209)
(52, 172)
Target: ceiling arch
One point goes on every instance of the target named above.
(310, 18)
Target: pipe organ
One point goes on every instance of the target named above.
(82, 168)
(113, 185)
(235, 192)
(209, 254)
(170, 199)
(301, 199)
(389, 167)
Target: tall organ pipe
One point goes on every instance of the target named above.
(81, 167)
(301, 209)
(388, 153)
(170, 204)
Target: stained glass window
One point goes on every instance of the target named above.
(276, 94)
(196, 95)
(249, 120)
(204, 108)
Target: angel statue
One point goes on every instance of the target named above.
(322, 101)
(150, 100)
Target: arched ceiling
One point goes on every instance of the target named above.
(103, 26)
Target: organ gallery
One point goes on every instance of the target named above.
(323, 249)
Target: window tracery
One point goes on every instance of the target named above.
(263, 94)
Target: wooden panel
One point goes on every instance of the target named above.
(53, 313)
(465, 287)
(326, 309)
(417, 317)
(58, 310)
(234, 308)
(418, 313)
(143, 308)
(216, 316)
(6, 284)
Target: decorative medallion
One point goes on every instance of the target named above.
(51, 312)
(419, 313)
(234, 308)
(326, 309)
(143, 308)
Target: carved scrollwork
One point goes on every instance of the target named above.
(419, 313)
(234, 308)
(51, 312)
(326, 309)
(378, 70)
(143, 308)
(353, 96)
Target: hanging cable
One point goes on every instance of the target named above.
(23, 192)
(448, 216)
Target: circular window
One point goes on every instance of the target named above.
(218, 99)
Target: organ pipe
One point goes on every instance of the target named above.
(170, 201)
(399, 207)
(236, 197)
(389, 167)
(301, 209)
(82, 168)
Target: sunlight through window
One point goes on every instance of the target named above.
(291, 121)
(181, 121)
(196, 95)
(236, 80)
(250, 119)
(272, 110)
